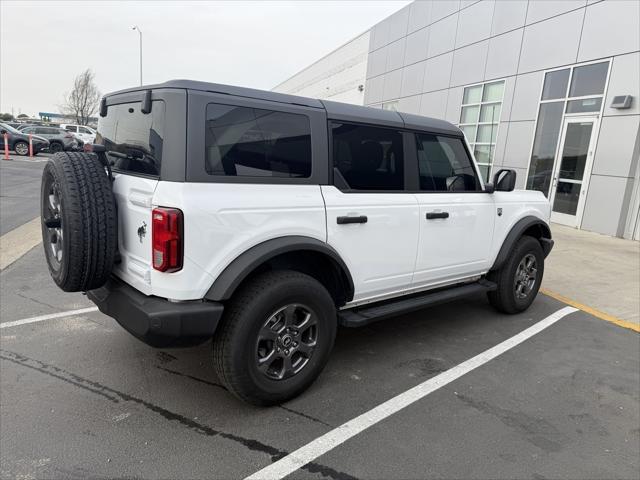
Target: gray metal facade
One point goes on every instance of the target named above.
(422, 57)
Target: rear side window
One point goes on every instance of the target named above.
(71, 128)
(444, 165)
(133, 140)
(368, 158)
(253, 142)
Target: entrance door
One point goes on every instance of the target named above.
(572, 170)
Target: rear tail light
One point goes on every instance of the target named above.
(167, 233)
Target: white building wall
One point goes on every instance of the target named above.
(339, 76)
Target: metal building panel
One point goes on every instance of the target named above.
(504, 52)
(474, 23)
(610, 28)
(469, 63)
(617, 142)
(541, 10)
(624, 79)
(551, 43)
(508, 16)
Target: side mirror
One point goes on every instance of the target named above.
(489, 188)
(505, 180)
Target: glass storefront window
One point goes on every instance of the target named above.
(479, 121)
(469, 114)
(472, 94)
(469, 132)
(487, 133)
(555, 84)
(589, 79)
(545, 143)
(482, 153)
(493, 92)
(584, 105)
(490, 113)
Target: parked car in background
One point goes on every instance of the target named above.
(19, 142)
(82, 132)
(59, 139)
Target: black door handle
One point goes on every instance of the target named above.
(432, 215)
(358, 219)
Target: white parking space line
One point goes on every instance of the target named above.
(344, 432)
(17, 242)
(42, 318)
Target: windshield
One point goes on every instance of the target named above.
(10, 129)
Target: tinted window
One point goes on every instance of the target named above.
(555, 84)
(444, 165)
(133, 140)
(589, 79)
(71, 128)
(252, 142)
(369, 158)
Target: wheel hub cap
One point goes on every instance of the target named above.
(286, 342)
(526, 276)
(52, 219)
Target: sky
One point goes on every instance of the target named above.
(44, 45)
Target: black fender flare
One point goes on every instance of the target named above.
(543, 234)
(238, 270)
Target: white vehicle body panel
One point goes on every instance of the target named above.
(398, 251)
(380, 254)
(458, 246)
(134, 196)
(224, 220)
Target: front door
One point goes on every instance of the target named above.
(572, 170)
(456, 216)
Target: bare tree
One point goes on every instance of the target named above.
(83, 101)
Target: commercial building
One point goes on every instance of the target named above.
(548, 88)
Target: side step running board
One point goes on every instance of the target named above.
(360, 316)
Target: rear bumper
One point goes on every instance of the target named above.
(157, 321)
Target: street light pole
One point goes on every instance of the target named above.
(135, 27)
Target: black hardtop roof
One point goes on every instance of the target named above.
(335, 110)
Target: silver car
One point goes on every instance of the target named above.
(59, 139)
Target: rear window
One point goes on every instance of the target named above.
(253, 142)
(133, 140)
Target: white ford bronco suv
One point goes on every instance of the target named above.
(264, 221)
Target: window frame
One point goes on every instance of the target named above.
(270, 111)
(410, 163)
(565, 100)
(196, 139)
(478, 123)
(172, 168)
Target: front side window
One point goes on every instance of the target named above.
(133, 140)
(368, 158)
(84, 130)
(479, 120)
(444, 165)
(253, 142)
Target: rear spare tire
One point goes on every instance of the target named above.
(79, 224)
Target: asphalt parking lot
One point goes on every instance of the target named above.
(81, 398)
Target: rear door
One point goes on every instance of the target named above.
(456, 216)
(371, 221)
(134, 144)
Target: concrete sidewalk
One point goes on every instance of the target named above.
(595, 270)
